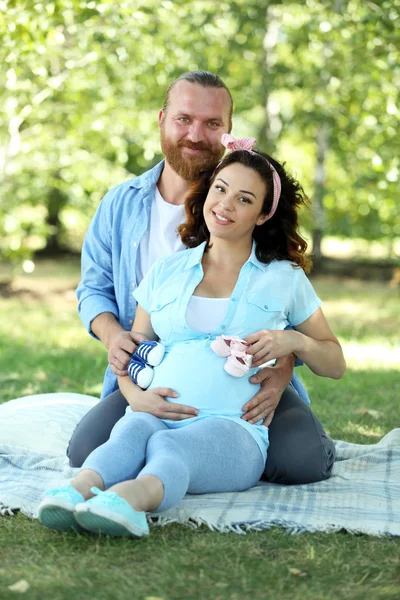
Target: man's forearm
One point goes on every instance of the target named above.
(286, 366)
(105, 326)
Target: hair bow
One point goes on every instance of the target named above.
(248, 144)
(233, 144)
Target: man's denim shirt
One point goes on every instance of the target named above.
(109, 256)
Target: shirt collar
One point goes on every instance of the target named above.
(254, 260)
(148, 178)
(196, 255)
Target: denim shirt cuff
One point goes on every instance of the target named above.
(91, 307)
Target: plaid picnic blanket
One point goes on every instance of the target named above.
(362, 495)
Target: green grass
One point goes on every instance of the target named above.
(45, 349)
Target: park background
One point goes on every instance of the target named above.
(317, 83)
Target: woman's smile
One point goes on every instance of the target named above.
(221, 219)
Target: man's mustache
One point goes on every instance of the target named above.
(194, 145)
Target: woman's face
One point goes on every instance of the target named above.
(234, 202)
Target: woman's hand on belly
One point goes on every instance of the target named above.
(153, 402)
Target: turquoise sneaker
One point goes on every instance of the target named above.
(56, 510)
(110, 514)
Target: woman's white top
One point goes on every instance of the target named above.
(206, 314)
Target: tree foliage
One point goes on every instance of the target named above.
(340, 68)
(82, 83)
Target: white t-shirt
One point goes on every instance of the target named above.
(206, 314)
(161, 237)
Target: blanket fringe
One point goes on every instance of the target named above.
(243, 528)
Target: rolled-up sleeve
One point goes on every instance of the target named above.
(96, 292)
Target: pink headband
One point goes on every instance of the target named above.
(248, 144)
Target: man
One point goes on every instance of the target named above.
(134, 225)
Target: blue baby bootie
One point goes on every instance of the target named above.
(150, 352)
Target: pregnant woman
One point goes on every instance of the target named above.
(242, 277)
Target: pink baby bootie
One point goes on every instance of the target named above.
(223, 344)
(238, 363)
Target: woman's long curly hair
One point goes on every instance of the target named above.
(278, 238)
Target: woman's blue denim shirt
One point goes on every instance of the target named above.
(266, 296)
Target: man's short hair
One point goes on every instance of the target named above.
(203, 78)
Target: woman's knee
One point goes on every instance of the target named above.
(164, 441)
(135, 423)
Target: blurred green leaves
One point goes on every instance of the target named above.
(82, 84)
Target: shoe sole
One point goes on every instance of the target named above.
(108, 522)
(145, 377)
(235, 372)
(58, 516)
(155, 356)
(219, 349)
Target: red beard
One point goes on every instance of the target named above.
(189, 167)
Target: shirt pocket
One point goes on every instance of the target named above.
(265, 313)
(163, 313)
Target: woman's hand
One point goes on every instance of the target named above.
(153, 402)
(265, 345)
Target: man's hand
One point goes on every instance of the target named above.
(122, 345)
(274, 381)
(153, 402)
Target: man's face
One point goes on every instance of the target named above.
(192, 126)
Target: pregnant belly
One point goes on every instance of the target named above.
(197, 374)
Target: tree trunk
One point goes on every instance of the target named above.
(269, 131)
(56, 200)
(322, 140)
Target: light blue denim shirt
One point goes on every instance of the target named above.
(109, 257)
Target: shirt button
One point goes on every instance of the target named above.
(233, 299)
(222, 326)
(134, 244)
(266, 307)
(133, 284)
(130, 321)
(158, 305)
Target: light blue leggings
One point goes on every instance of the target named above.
(209, 455)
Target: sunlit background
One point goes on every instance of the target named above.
(82, 82)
